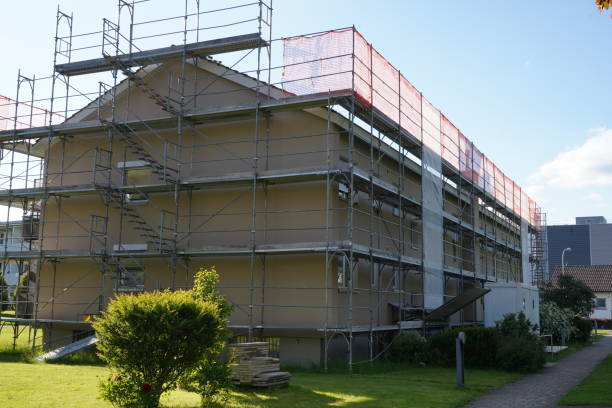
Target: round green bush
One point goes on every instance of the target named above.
(523, 354)
(150, 340)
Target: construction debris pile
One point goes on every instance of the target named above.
(251, 366)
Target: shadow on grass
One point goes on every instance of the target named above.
(19, 355)
(83, 357)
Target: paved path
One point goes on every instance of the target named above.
(544, 388)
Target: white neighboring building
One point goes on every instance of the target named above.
(599, 279)
(11, 240)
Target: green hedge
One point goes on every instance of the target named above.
(481, 343)
(510, 346)
(582, 329)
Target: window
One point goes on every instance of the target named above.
(131, 279)
(1, 238)
(345, 272)
(344, 192)
(375, 274)
(600, 303)
(396, 279)
(376, 205)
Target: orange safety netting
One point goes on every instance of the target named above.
(343, 60)
(19, 115)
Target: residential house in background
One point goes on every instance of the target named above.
(598, 278)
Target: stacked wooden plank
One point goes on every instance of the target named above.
(250, 365)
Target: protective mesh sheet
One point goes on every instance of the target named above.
(410, 108)
(318, 63)
(343, 60)
(431, 127)
(450, 143)
(18, 115)
(478, 168)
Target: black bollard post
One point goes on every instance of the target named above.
(459, 359)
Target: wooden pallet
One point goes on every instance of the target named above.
(251, 366)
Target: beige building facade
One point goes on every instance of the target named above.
(314, 209)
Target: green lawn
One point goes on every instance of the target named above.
(52, 385)
(70, 384)
(595, 389)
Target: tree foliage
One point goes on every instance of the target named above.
(150, 340)
(604, 5)
(556, 321)
(571, 294)
(515, 325)
(4, 294)
(210, 376)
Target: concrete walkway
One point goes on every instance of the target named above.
(546, 387)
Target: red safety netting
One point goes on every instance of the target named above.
(466, 148)
(509, 192)
(517, 199)
(318, 63)
(431, 127)
(524, 206)
(410, 108)
(343, 60)
(19, 115)
(478, 164)
(450, 142)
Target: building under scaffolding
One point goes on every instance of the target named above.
(337, 203)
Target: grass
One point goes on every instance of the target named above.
(595, 389)
(73, 382)
(52, 385)
(574, 347)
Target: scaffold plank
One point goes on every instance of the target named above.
(154, 56)
(92, 126)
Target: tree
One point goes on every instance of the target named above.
(572, 294)
(150, 341)
(556, 321)
(603, 5)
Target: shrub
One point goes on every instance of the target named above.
(408, 347)
(150, 340)
(582, 329)
(480, 346)
(127, 392)
(554, 320)
(515, 325)
(210, 379)
(602, 323)
(524, 354)
(571, 294)
(4, 294)
(210, 376)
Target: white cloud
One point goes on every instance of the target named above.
(593, 197)
(587, 165)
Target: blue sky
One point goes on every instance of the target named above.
(529, 82)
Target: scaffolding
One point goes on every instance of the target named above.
(182, 182)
